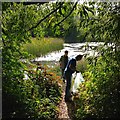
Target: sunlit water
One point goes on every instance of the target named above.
(74, 49)
(51, 59)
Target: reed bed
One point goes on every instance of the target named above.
(39, 47)
(82, 65)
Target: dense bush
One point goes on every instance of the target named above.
(31, 98)
(34, 97)
(99, 95)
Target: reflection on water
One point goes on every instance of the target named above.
(74, 49)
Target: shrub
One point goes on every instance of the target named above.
(99, 95)
(35, 97)
(82, 65)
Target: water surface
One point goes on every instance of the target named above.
(73, 49)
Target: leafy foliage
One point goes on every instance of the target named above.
(38, 96)
(34, 97)
(99, 95)
(22, 98)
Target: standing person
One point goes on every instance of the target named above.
(69, 70)
(63, 62)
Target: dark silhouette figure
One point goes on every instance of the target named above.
(63, 62)
(69, 70)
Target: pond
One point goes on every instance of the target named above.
(52, 59)
(86, 49)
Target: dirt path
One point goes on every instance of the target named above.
(65, 108)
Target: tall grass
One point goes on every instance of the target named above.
(39, 47)
(82, 65)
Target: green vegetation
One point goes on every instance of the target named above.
(35, 97)
(38, 96)
(39, 47)
(56, 69)
(98, 95)
(82, 65)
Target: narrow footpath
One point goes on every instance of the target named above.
(66, 109)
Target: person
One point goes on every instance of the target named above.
(69, 70)
(63, 62)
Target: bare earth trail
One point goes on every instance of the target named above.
(66, 109)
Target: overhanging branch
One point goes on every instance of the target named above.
(66, 16)
(45, 17)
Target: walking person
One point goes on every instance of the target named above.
(69, 70)
(63, 62)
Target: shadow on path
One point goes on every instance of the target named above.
(66, 109)
(71, 110)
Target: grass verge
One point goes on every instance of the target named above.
(39, 47)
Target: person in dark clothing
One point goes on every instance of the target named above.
(69, 70)
(63, 62)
